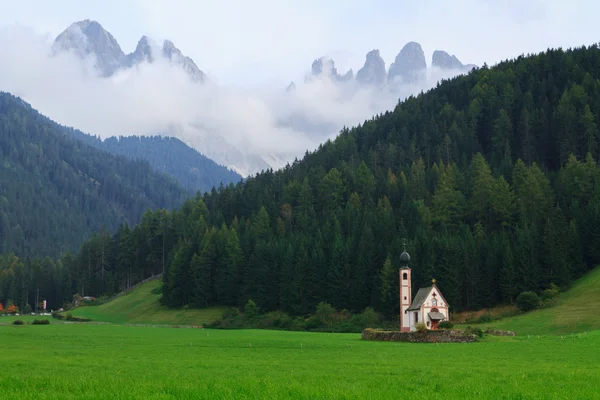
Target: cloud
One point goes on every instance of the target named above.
(243, 128)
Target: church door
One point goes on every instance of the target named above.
(434, 324)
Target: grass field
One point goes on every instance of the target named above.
(575, 311)
(68, 361)
(141, 306)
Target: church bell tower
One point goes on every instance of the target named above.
(405, 291)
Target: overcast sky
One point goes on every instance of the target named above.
(253, 43)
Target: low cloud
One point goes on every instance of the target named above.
(242, 128)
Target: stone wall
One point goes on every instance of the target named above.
(497, 332)
(440, 336)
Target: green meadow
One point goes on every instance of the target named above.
(69, 361)
(555, 355)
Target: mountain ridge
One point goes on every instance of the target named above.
(88, 37)
(193, 170)
(56, 191)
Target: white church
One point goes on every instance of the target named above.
(428, 306)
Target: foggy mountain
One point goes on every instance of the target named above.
(97, 87)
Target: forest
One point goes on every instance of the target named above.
(55, 191)
(490, 178)
(191, 169)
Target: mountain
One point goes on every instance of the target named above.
(442, 59)
(191, 169)
(409, 64)
(408, 67)
(491, 178)
(373, 71)
(325, 66)
(55, 191)
(88, 38)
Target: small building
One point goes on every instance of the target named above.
(428, 306)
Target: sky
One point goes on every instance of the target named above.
(251, 50)
(271, 42)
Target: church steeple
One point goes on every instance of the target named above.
(405, 290)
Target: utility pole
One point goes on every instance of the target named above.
(37, 299)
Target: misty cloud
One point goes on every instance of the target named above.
(242, 128)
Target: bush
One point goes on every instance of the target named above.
(18, 322)
(40, 322)
(469, 330)
(27, 309)
(231, 313)
(421, 327)
(527, 301)
(486, 317)
(251, 310)
(156, 290)
(326, 313)
(446, 325)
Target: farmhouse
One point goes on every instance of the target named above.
(428, 306)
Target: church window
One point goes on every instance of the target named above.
(404, 276)
(434, 302)
(404, 297)
(428, 324)
(416, 317)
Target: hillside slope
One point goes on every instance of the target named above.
(141, 306)
(56, 191)
(574, 312)
(191, 169)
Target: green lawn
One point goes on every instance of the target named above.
(72, 361)
(141, 306)
(574, 312)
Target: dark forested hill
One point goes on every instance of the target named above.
(56, 191)
(193, 170)
(491, 178)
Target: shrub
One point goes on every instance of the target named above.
(486, 317)
(18, 322)
(27, 309)
(421, 327)
(527, 301)
(469, 330)
(298, 324)
(446, 325)
(313, 323)
(251, 310)
(326, 313)
(231, 313)
(156, 290)
(40, 322)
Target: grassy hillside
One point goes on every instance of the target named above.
(141, 306)
(575, 312)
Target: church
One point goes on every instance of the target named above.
(428, 306)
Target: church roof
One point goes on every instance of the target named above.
(436, 316)
(420, 298)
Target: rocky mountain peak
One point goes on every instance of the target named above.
(143, 52)
(291, 87)
(373, 71)
(442, 59)
(409, 63)
(88, 37)
(176, 57)
(325, 66)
